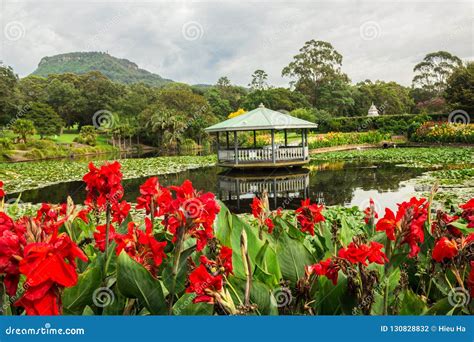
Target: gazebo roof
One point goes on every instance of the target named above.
(260, 118)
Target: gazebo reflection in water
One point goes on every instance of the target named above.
(286, 188)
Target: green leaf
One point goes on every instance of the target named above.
(267, 268)
(260, 294)
(134, 281)
(346, 233)
(411, 304)
(76, 298)
(292, 256)
(184, 306)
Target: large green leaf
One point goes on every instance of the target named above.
(134, 281)
(411, 304)
(260, 294)
(185, 306)
(292, 256)
(388, 284)
(267, 268)
(76, 298)
(333, 299)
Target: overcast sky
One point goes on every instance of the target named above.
(199, 41)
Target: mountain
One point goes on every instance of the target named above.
(117, 69)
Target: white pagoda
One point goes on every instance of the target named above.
(373, 111)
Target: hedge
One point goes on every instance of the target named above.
(399, 124)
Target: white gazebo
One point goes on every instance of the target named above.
(270, 156)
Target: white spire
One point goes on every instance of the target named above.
(373, 111)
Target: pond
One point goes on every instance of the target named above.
(331, 183)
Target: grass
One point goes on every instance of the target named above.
(52, 147)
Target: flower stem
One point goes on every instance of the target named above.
(388, 253)
(107, 231)
(174, 273)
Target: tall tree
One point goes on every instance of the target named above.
(432, 72)
(259, 80)
(276, 99)
(8, 96)
(45, 119)
(388, 97)
(460, 89)
(316, 63)
(23, 128)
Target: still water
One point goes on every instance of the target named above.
(336, 183)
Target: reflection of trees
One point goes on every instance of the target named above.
(203, 179)
(338, 185)
(335, 184)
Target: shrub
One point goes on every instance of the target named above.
(6, 143)
(87, 136)
(337, 139)
(444, 133)
(399, 124)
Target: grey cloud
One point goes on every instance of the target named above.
(236, 37)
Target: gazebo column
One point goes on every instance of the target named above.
(303, 141)
(217, 138)
(273, 147)
(227, 138)
(286, 138)
(254, 139)
(236, 148)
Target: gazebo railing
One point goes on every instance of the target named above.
(264, 154)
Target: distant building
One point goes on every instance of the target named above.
(373, 111)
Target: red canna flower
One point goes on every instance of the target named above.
(191, 214)
(407, 224)
(120, 211)
(375, 253)
(444, 249)
(470, 279)
(362, 253)
(142, 246)
(99, 236)
(48, 268)
(308, 215)
(468, 212)
(12, 241)
(204, 285)
(370, 213)
(222, 264)
(103, 185)
(262, 214)
(325, 268)
(388, 224)
(153, 194)
(2, 192)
